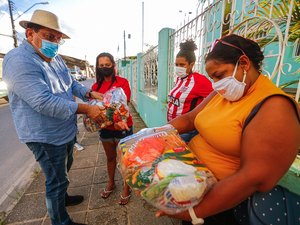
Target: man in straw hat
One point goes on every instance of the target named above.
(41, 100)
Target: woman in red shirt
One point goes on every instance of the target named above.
(106, 79)
(190, 87)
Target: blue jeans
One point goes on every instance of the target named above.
(55, 162)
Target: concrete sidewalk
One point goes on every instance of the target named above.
(88, 177)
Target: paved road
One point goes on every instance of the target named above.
(16, 161)
(88, 83)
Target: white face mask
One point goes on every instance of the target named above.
(229, 87)
(180, 72)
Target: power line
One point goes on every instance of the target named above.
(44, 3)
(12, 8)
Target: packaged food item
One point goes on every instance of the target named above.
(158, 165)
(115, 110)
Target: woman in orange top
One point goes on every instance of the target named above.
(247, 154)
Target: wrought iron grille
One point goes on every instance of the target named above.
(149, 72)
(134, 87)
(272, 23)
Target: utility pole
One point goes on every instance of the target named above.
(87, 72)
(12, 24)
(142, 26)
(124, 47)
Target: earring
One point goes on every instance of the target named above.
(245, 73)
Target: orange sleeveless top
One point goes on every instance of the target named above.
(220, 125)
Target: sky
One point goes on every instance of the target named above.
(97, 26)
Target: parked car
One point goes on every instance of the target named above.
(77, 75)
(3, 90)
(84, 76)
(3, 86)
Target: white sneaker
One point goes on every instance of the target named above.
(78, 146)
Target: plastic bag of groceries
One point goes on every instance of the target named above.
(158, 165)
(115, 110)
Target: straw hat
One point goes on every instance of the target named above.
(45, 19)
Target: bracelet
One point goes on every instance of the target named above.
(90, 93)
(195, 219)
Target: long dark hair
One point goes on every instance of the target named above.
(99, 77)
(228, 54)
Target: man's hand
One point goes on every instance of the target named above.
(97, 95)
(94, 95)
(95, 112)
(121, 125)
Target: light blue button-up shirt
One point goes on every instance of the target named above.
(41, 96)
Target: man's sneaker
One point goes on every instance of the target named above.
(73, 200)
(78, 147)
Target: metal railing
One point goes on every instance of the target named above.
(271, 23)
(149, 72)
(134, 88)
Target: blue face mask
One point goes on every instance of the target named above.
(49, 49)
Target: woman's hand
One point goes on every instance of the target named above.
(121, 125)
(182, 216)
(160, 213)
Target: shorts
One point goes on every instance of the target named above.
(114, 135)
(188, 136)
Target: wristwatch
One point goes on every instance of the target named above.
(195, 219)
(89, 94)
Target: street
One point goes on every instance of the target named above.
(89, 82)
(16, 160)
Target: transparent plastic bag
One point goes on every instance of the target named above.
(115, 110)
(158, 165)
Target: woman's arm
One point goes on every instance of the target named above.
(269, 145)
(185, 123)
(276, 131)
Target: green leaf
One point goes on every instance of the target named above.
(284, 85)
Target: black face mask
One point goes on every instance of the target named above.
(104, 71)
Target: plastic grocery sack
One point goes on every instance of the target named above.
(115, 110)
(158, 165)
